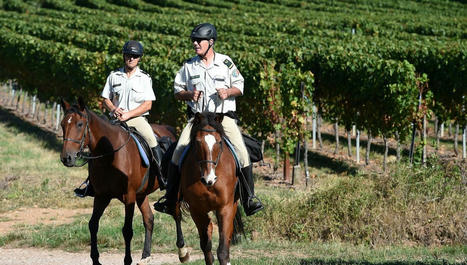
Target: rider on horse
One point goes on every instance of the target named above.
(209, 81)
(128, 95)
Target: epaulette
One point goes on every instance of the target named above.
(228, 63)
(143, 72)
(116, 71)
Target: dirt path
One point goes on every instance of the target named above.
(36, 256)
(39, 256)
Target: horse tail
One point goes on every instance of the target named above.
(239, 230)
(184, 209)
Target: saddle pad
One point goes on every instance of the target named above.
(142, 152)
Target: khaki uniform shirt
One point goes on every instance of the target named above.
(128, 93)
(222, 73)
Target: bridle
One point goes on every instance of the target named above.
(216, 162)
(81, 153)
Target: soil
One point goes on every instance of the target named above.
(37, 256)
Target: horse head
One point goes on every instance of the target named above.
(75, 126)
(207, 140)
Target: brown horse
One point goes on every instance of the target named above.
(116, 171)
(208, 181)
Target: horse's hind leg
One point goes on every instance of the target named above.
(204, 225)
(127, 231)
(98, 209)
(148, 222)
(225, 219)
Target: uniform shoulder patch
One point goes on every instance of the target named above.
(228, 63)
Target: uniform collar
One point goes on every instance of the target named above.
(216, 61)
(137, 72)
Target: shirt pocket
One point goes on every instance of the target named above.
(117, 90)
(195, 84)
(220, 82)
(137, 94)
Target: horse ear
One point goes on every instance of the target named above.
(65, 105)
(197, 118)
(219, 117)
(81, 103)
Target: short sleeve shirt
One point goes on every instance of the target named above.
(128, 93)
(222, 73)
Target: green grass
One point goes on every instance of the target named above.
(409, 205)
(407, 216)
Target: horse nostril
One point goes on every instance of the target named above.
(203, 181)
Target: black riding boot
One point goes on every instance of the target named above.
(167, 203)
(85, 189)
(157, 155)
(250, 205)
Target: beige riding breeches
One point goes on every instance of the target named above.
(141, 124)
(231, 131)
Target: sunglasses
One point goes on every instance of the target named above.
(133, 56)
(198, 40)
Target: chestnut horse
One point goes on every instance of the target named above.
(116, 171)
(208, 182)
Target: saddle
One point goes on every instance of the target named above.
(145, 152)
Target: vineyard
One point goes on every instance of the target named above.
(380, 66)
(382, 72)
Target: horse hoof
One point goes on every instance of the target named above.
(183, 254)
(144, 261)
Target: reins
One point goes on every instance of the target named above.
(82, 154)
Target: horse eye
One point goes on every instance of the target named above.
(80, 124)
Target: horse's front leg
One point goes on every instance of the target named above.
(127, 231)
(204, 225)
(183, 253)
(100, 204)
(225, 218)
(148, 222)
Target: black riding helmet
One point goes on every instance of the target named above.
(133, 47)
(205, 31)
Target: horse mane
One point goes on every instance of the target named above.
(204, 119)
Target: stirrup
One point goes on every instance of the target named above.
(252, 206)
(164, 205)
(82, 191)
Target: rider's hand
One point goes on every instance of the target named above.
(223, 93)
(124, 116)
(117, 112)
(196, 95)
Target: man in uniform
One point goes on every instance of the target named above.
(128, 95)
(210, 81)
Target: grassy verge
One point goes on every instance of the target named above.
(408, 205)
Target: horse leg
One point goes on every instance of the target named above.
(148, 222)
(225, 219)
(100, 204)
(127, 231)
(204, 225)
(183, 253)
